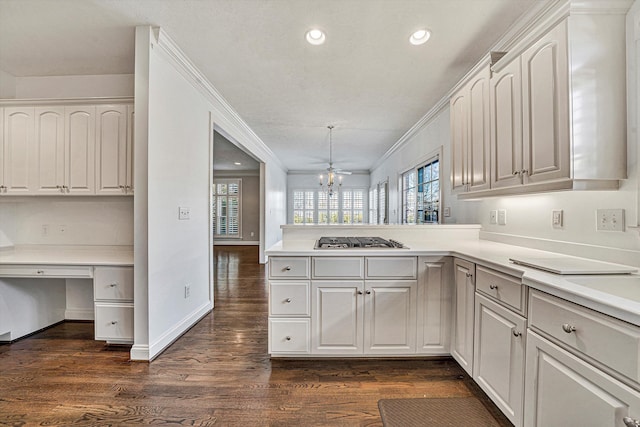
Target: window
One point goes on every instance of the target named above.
(373, 205)
(316, 207)
(226, 195)
(421, 193)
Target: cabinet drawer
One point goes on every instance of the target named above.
(289, 267)
(289, 336)
(501, 287)
(611, 342)
(289, 299)
(55, 271)
(113, 283)
(391, 267)
(114, 322)
(338, 267)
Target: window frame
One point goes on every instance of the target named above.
(429, 160)
(214, 213)
(332, 210)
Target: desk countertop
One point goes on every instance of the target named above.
(67, 255)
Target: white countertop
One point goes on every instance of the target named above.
(67, 255)
(615, 295)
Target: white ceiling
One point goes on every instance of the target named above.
(367, 80)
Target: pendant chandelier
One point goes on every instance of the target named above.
(330, 187)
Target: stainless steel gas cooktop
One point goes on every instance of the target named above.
(357, 243)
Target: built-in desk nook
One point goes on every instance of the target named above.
(43, 285)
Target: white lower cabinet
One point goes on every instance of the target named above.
(499, 356)
(434, 305)
(561, 389)
(462, 312)
(113, 302)
(289, 336)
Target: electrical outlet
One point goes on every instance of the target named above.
(187, 290)
(62, 229)
(556, 219)
(493, 217)
(447, 212)
(253, 234)
(502, 217)
(610, 220)
(45, 230)
(184, 213)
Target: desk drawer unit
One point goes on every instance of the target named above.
(610, 342)
(114, 322)
(501, 287)
(48, 271)
(289, 267)
(113, 283)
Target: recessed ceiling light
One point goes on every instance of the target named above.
(315, 36)
(237, 163)
(419, 37)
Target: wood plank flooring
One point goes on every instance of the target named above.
(218, 373)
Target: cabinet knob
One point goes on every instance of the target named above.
(121, 187)
(40, 271)
(360, 292)
(516, 333)
(468, 274)
(287, 268)
(515, 173)
(524, 172)
(568, 328)
(287, 300)
(368, 292)
(631, 422)
(493, 286)
(113, 322)
(288, 338)
(113, 285)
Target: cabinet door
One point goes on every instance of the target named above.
(19, 133)
(111, 149)
(337, 317)
(459, 140)
(563, 390)
(498, 362)
(129, 185)
(506, 128)
(80, 149)
(49, 150)
(390, 317)
(434, 302)
(463, 307)
(545, 103)
(3, 155)
(479, 133)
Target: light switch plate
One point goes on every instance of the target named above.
(502, 217)
(493, 217)
(557, 218)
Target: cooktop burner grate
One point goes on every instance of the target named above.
(357, 242)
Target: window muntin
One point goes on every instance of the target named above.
(316, 207)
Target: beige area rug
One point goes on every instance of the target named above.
(435, 412)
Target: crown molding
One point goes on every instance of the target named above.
(67, 101)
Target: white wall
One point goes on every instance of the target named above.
(529, 217)
(87, 86)
(7, 85)
(85, 220)
(176, 113)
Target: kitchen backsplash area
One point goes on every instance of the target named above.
(66, 221)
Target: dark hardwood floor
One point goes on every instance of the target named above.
(218, 373)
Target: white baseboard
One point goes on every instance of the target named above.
(79, 314)
(601, 253)
(139, 352)
(237, 243)
(178, 330)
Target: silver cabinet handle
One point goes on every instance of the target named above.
(516, 333)
(368, 292)
(40, 271)
(493, 286)
(360, 292)
(288, 338)
(568, 328)
(287, 300)
(113, 322)
(631, 422)
(287, 268)
(515, 173)
(113, 285)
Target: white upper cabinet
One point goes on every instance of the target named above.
(66, 149)
(557, 109)
(112, 149)
(18, 150)
(470, 134)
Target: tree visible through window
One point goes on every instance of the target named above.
(226, 196)
(421, 194)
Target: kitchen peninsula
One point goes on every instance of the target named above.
(451, 293)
